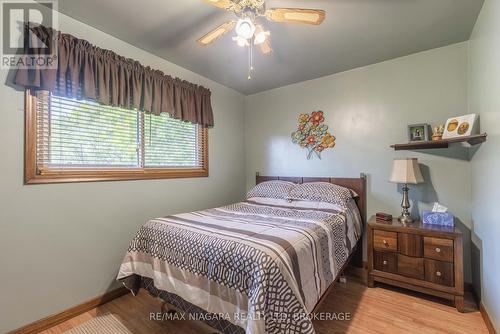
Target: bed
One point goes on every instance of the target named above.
(259, 266)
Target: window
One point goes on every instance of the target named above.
(70, 140)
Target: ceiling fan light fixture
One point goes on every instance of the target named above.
(249, 31)
(245, 28)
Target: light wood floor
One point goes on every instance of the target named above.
(381, 310)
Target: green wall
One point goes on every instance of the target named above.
(484, 86)
(368, 109)
(62, 244)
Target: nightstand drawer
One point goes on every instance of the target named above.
(385, 261)
(438, 249)
(411, 266)
(410, 244)
(385, 240)
(439, 272)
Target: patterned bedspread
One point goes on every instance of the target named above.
(262, 268)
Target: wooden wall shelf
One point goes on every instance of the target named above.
(445, 143)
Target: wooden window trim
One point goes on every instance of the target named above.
(62, 175)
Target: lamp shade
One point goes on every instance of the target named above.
(406, 170)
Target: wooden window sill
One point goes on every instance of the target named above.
(66, 176)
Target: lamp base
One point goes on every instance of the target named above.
(405, 219)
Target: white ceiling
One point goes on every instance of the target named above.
(355, 33)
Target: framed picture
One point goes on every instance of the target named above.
(418, 132)
(461, 126)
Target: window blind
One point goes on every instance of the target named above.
(171, 143)
(84, 134)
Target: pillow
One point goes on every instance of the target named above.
(269, 201)
(313, 205)
(271, 189)
(321, 192)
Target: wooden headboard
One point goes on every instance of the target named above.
(357, 184)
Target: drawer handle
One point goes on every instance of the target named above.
(385, 242)
(438, 273)
(438, 250)
(385, 262)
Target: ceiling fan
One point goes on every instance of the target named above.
(248, 29)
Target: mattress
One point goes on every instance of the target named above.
(254, 267)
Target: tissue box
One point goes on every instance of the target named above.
(438, 218)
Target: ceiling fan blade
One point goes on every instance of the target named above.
(296, 15)
(224, 4)
(213, 35)
(265, 47)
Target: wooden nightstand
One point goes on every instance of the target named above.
(424, 258)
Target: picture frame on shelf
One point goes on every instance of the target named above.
(461, 126)
(418, 132)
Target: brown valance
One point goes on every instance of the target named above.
(85, 71)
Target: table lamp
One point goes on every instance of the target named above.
(406, 171)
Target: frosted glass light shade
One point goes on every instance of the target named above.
(245, 28)
(406, 171)
(260, 35)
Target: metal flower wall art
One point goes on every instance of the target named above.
(312, 134)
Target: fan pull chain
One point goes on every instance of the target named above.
(251, 54)
(250, 59)
(249, 62)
